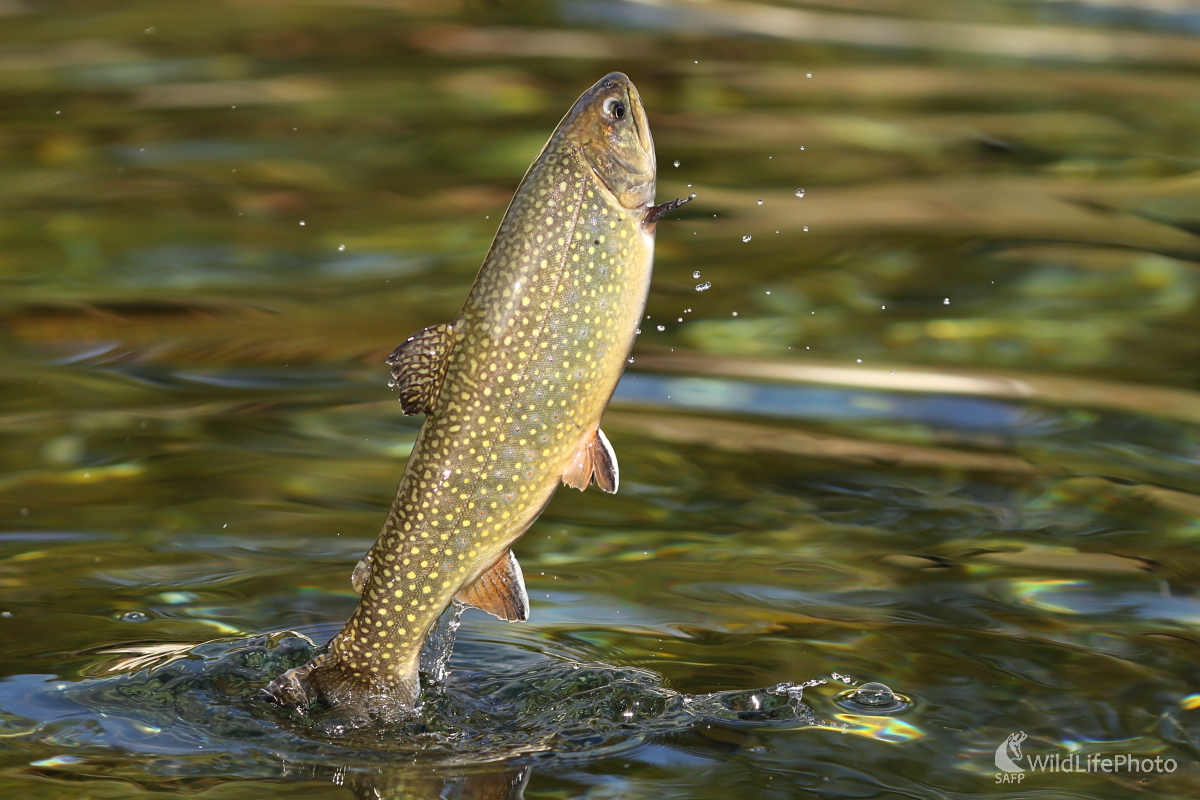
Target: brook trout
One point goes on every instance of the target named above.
(513, 391)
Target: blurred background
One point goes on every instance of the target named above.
(917, 399)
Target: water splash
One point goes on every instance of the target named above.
(501, 706)
(435, 654)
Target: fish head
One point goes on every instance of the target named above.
(608, 126)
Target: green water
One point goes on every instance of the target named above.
(936, 423)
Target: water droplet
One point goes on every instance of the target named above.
(679, 320)
(391, 383)
(341, 248)
(946, 302)
(801, 147)
(859, 360)
(799, 193)
(746, 238)
(301, 222)
(677, 163)
(631, 359)
(874, 694)
(703, 287)
(637, 331)
(760, 202)
(134, 616)
(662, 328)
(883, 306)
(696, 274)
(873, 699)
(768, 291)
(734, 314)
(808, 75)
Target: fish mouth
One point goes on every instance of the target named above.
(644, 191)
(641, 123)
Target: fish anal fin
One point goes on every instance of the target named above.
(419, 366)
(500, 590)
(594, 461)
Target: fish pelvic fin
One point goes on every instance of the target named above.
(594, 462)
(384, 698)
(500, 590)
(419, 367)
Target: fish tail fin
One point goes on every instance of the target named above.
(292, 688)
(361, 700)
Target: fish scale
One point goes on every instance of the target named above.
(513, 391)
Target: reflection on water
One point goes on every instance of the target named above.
(933, 426)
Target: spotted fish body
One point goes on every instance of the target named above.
(513, 391)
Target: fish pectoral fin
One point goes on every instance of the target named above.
(655, 213)
(596, 462)
(500, 590)
(361, 574)
(419, 367)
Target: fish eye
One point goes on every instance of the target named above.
(614, 108)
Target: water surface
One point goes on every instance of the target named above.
(935, 425)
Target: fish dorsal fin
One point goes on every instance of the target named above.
(593, 461)
(361, 574)
(419, 365)
(500, 590)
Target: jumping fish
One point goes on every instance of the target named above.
(513, 391)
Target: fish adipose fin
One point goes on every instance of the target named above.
(500, 590)
(419, 366)
(594, 461)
